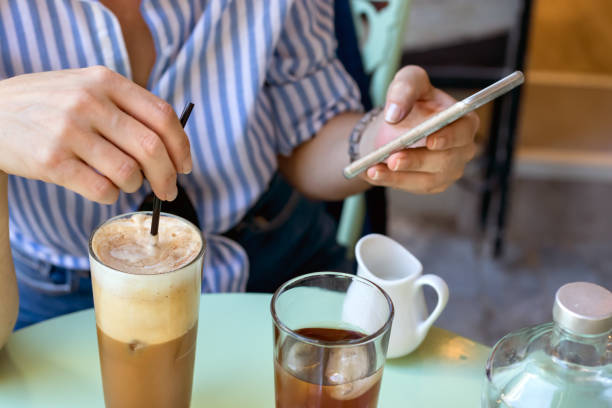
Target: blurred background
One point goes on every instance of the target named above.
(555, 210)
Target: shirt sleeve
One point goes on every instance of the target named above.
(305, 82)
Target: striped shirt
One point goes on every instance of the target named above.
(263, 76)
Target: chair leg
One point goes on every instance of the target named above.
(510, 113)
(376, 204)
(351, 221)
(490, 172)
(503, 172)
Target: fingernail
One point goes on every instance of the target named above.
(187, 167)
(393, 113)
(396, 165)
(373, 174)
(439, 143)
(420, 143)
(172, 196)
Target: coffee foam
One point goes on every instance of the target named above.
(151, 307)
(127, 245)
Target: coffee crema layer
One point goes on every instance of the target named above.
(126, 244)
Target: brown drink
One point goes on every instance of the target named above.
(308, 376)
(146, 298)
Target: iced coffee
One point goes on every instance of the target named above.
(146, 298)
(323, 356)
(333, 377)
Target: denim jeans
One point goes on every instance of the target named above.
(46, 290)
(286, 235)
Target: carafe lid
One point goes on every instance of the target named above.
(583, 308)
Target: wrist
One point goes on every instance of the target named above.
(362, 138)
(368, 140)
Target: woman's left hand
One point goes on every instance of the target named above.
(431, 166)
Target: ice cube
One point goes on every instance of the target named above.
(347, 364)
(347, 372)
(302, 359)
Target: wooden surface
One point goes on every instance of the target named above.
(566, 120)
(568, 112)
(572, 36)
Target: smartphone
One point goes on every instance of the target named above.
(435, 123)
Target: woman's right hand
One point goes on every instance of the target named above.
(92, 131)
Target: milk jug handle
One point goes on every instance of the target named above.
(441, 289)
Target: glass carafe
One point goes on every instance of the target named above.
(567, 363)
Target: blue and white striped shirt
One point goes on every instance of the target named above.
(262, 74)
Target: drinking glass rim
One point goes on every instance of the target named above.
(129, 214)
(327, 343)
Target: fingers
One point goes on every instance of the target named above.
(110, 161)
(142, 144)
(78, 176)
(421, 170)
(427, 161)
(410, 84)
(460, 133)
(94, 131)
(414, 182)
(432, 168)
(153, 112)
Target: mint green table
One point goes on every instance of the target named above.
(55, 363)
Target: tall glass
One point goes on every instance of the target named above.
(331, 332)
(147, 325)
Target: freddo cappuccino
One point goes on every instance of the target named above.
(146, 298)
(125, 244)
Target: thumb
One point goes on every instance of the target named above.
(409, 85)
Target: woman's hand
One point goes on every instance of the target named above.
(92, 131)
(428, 167)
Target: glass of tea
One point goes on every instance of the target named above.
(331, 332)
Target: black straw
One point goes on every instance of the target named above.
(156, 201)
(156, 211)
(186, 112)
